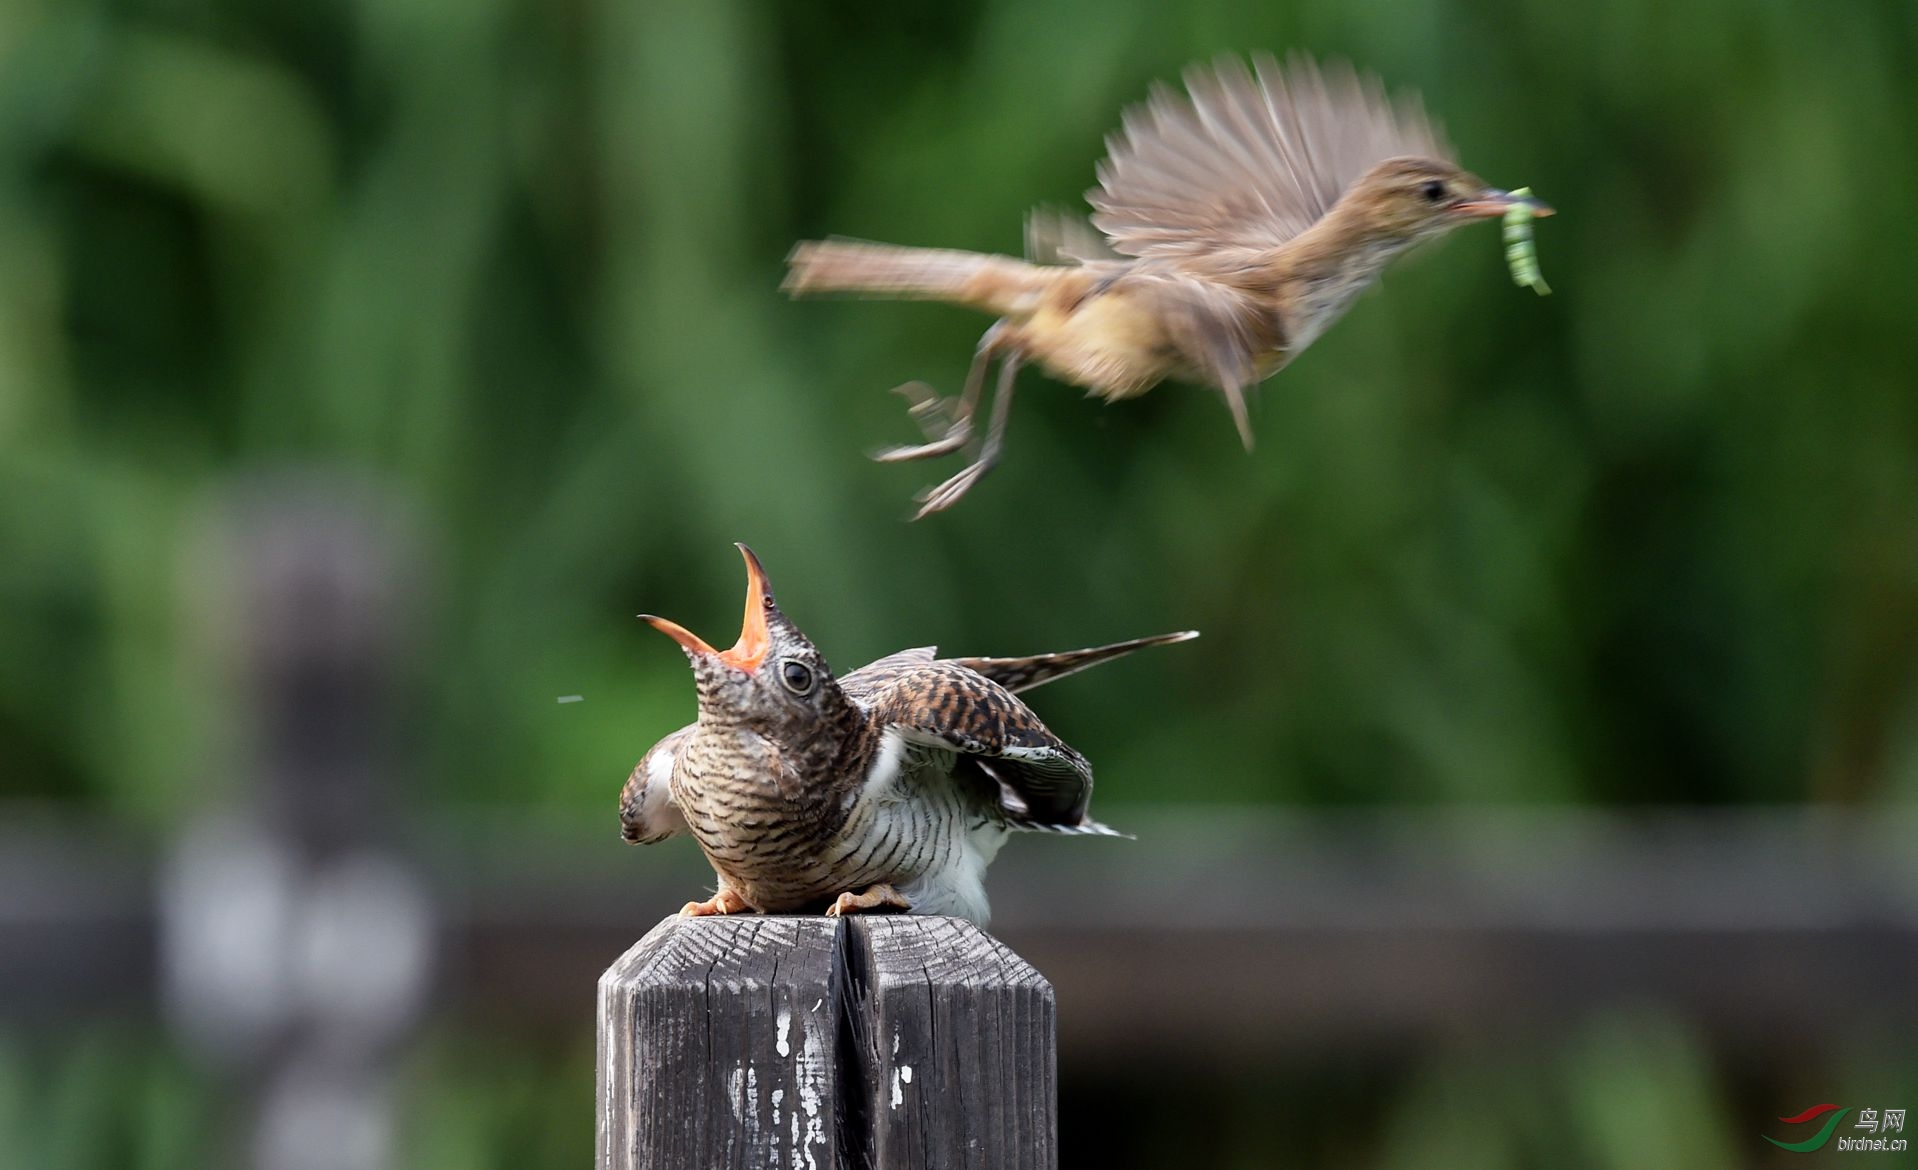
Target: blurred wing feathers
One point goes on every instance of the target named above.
(1245, 159)
(1060, 237)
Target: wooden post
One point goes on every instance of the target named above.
(819, 1043)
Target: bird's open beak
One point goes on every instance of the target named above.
(755, 639)
(1494, 202)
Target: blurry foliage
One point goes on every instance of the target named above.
(1648, 539)
(108, 1097)
(1652, 538)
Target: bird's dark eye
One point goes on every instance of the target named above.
(797, 676)
(1432, 190)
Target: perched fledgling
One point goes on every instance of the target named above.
(890, 788)
(1240, 221)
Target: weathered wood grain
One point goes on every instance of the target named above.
(716, 1039)
(960, 1054)
(813, 1043)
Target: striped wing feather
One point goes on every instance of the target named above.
(943, 704)
(862, 684)
(1022, 674)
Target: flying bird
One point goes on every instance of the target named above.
(891, 788)
(1235, 223)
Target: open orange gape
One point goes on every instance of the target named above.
(754, 639)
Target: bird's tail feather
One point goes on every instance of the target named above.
(1085, 828)
(1022, 674)
(996, 284)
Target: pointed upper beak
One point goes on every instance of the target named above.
(755, 638)
(1494, 202)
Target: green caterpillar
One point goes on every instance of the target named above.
(1521, 256)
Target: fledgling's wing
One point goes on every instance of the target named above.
(1248, 159)
(943, 704)
(647, 813)
(1022, 674)
(861, 684)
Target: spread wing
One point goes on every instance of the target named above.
(1043, 782)
(647, 813)
(880, 673)
(1248, 159)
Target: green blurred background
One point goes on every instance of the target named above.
(1652, 540)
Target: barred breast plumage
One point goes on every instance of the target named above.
(892, 788)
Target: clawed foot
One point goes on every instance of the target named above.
(879, 897)
(945, 426)
(938, 499)
(724, 902)
(948, 423)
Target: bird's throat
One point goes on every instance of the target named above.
(1319, 273)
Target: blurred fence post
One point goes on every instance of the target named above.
(297, 937)
(915, 1042)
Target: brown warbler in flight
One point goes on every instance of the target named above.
(1240, 220)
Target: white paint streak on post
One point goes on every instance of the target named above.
(743, 1094)
(815, 1081)
(929, 1046)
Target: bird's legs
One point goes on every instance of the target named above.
(938, 499)
(723, 902)
(876, 897)
(946, 422)
(935, 418)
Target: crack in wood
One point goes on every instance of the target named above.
(808, 1043)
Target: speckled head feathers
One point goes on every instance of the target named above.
(772, 676)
